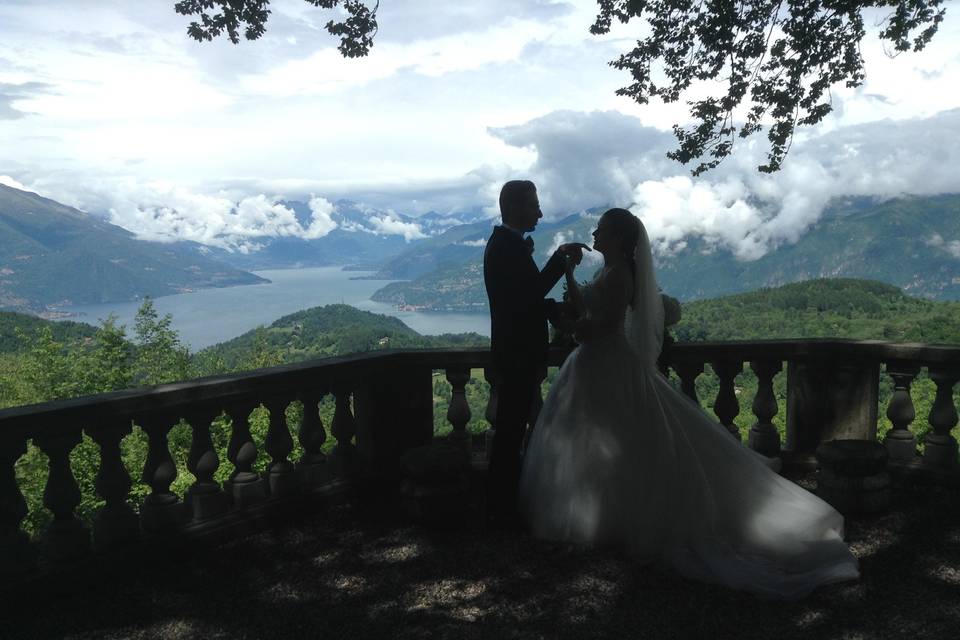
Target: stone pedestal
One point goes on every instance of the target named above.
(161, 515)
(940, 451)
(17, 556)
(114, 527)
(246, 490)
(830, 400)
(901, 445)
(314, 473)
(205, 504)
(65, 540)
(852, 475)
(436, 485)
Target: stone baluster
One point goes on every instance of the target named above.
(763, 437)
(17, 557)
(901, 444)
(726, 406)
(458, 413)
(281, 473)
(116, 523)
(940, 448)
(245, 486)
(688, 373)
(66, 538)
(205, 499)
(344, 458)
(161, 509)
(312, 468)
(491, 411)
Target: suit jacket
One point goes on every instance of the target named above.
(518, 310)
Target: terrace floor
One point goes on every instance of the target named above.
(351, 572)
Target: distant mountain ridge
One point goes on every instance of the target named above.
(52, 254)
(363, 238)
(912, 243)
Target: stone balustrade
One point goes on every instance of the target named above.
(383, 405)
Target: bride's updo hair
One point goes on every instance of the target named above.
(627, 228)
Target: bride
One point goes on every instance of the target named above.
(619, 457)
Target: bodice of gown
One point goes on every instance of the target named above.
(606, 298)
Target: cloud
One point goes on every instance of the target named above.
(10, 182)
(952, 247)
(588, 159)
(473, 243)
(321, 222)
(607, 158)
(388, 225)
(10, 93)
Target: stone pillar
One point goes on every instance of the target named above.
(66, 538)
(245, 486)
(116, 523)
(394, 412)
(900, 442)
(940, 448)
(458, 413)
(830, 400)
(763, 437)
(688, 373)
(312, 468)
(17, 555)
(726, 406)
(205, 499)
(281, 474)
(491, 411)
(161, 509)
(344, 459)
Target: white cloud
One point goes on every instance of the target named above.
(321, 222)
(10, 182)
(952, 247)
(607, 158)
(473, 243)
(388, 225)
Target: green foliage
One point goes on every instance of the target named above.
(356, 31)
(12, 322)
(781, 58)
(160, 356)
(838, 308)
(326, 331)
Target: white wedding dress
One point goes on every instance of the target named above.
(620, 457)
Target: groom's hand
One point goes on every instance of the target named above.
(573, 251)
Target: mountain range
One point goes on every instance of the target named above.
(358, 240)
(53, 255)
(909, 242)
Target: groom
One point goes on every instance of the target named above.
(516, 289)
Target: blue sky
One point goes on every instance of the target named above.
(109, 106)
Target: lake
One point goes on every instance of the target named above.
(210, 316)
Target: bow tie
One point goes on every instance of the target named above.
(529, 242)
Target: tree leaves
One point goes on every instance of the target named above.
(356, 32)
(776, 58)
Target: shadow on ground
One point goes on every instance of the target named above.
(350, 573)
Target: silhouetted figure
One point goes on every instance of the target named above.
(519, 311)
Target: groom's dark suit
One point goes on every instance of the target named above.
(519, 340)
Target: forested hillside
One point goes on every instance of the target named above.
(11, 323)
(836, 308)
(331, 330)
